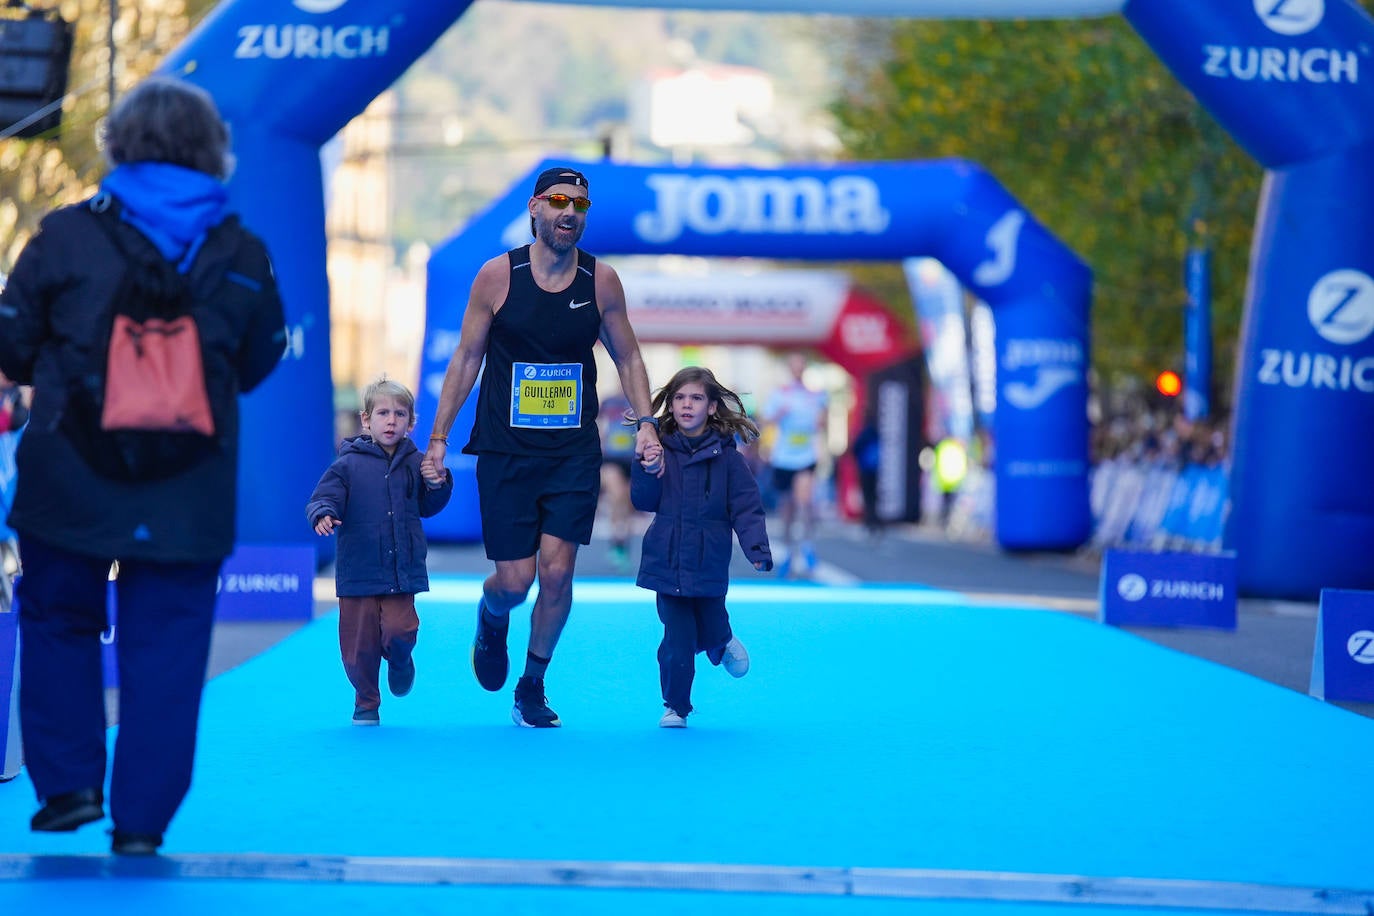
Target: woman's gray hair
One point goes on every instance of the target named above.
(164, 119)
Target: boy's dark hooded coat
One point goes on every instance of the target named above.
(380, 501)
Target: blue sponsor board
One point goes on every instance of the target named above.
(267, 582)
(1343, 656)
(258, 582)
(10, 757)
(1168, 589)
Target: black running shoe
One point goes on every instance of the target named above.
(490, 662)
(531, 708)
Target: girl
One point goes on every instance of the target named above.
(705, 490)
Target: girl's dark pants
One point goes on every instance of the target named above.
(166, 613)
(371, 629)
(690, 625)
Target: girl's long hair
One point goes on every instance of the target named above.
(730, 418)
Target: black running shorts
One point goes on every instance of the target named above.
(783, 477)
(523, 496)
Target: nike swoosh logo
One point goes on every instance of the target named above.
(574, 304)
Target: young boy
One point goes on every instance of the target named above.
(374, 495)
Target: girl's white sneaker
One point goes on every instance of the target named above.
(735, 660)
(672, 720)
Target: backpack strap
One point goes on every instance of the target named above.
(157, 276)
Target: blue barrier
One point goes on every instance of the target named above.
(1159, 507)
(1168, 589)
(1343, 651)
(9, 442)
(10, 749)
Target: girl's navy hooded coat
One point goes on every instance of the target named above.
(380, 501)
(707, 490)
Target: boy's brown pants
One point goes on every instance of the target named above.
(371, 629)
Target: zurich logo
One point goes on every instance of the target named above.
(1132, 587)
(1341, 306)
(530, 372)
(1360, 647)
(318, 6)
(1291, 17)
(1047, 381)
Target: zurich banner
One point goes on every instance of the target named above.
(951, 210)
(1141, 588)
(1293, 82)
(288, 76)
(1343, 653)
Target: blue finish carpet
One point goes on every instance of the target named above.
(891, 750)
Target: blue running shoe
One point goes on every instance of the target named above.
(490, 662)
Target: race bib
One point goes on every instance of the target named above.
(546, 395)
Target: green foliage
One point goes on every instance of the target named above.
(1085, 127)
(40, 174)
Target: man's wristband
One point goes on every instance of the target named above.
(652, 421)
(443, 439)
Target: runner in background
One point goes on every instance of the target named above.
(617, 451)
(797, 415)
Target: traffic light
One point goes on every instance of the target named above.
(1169, 384)
(35, 52)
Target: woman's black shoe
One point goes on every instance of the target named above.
(69, 810)
(135, 844)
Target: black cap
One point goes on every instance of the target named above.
(550, 177)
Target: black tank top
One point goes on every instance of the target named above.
(538, 389)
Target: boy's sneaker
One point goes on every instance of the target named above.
(809, 557)
(735, 660)
(531, 708)
(672, 720)
(785, 567)
(400, 676)
(490, 662)
(366, 716)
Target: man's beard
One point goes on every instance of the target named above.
(546, 230)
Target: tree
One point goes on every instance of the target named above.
(42, 173)
(1082, 124)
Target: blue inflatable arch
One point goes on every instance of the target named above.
(953, 211)
(1291, 80)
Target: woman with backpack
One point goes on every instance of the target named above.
(165, 511)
